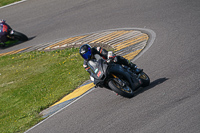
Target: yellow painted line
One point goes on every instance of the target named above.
(61, 42)
(75, 39)
(119, 33)
(76, 93)
(132, 55)
(13, 52)
(66, 41)
(124, 42)
(131, 42)
(104, 37)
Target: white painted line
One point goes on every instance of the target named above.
(13, 4)
(152, 37)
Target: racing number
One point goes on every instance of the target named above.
(5, 28)
(99, 73)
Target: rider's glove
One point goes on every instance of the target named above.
(111, 57)
(91, 78)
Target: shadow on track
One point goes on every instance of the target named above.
(152, 85)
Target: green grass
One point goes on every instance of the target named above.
(31, 82)
(6, 2)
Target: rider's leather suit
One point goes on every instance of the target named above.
(4, 31)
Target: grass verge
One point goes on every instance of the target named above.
(31, 82)
(6, 2)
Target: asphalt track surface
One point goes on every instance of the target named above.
(170, 104)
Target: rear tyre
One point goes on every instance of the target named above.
(20, 36)
(123, 90)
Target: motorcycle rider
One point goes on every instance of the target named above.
(4, 31)
(92, 55)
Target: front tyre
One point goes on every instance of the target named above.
(145, 79)
(122, 89)
(20, 36)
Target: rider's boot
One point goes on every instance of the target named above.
(122, 60)
(134, 68)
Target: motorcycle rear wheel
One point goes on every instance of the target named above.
(124, 91)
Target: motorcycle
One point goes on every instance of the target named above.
(12, 35)
(121, 79)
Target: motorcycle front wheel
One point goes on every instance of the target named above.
(145, 79)
(121, 87)
(20, 36)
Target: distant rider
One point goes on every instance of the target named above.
(93, 54)
(5, 30)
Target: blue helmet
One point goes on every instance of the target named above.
(85, 51)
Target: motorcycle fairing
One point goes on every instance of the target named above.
(100, 69)
(118, 70)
